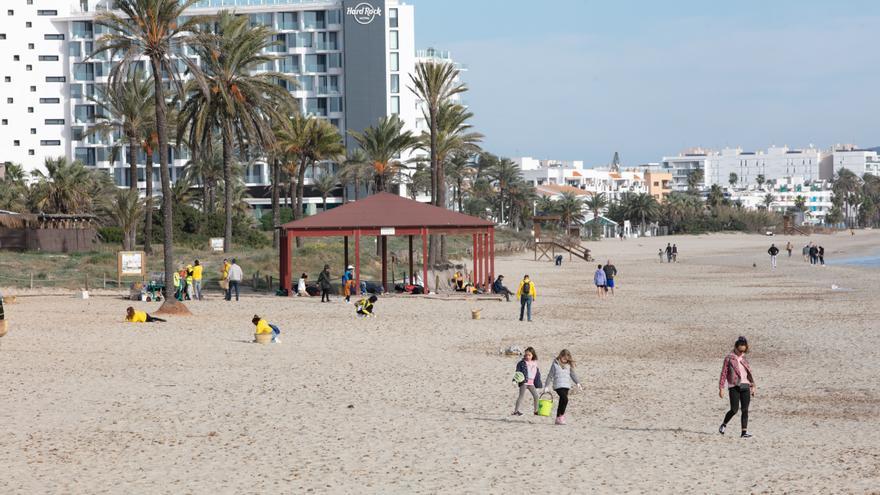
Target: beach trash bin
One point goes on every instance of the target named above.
(545, 406)
(263, 338)
(475, 314)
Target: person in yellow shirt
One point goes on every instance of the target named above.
(197, 280)
(133, 316)
(178, 293)
(224, 280)
(264, 326)
(189, 282)
(526, 294)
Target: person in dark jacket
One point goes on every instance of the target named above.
(499, 288)
(668, 253)
(324, 284)
(610, 273)
(814, 254)
(527, 370)
(773, 251)
(821, 253)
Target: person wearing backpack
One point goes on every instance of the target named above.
(526, 294)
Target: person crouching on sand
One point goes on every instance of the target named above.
(133, 316)
(264, 326)
(364, 307)
(561, 376)
(736, 374)
(527, 368)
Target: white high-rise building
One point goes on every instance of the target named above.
(352, 59)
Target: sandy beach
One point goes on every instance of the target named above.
(418, 400)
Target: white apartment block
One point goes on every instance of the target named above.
(352, 59)
(785, 192)
(859, 161)
(613, 183)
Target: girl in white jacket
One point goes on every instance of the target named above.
(561, 376)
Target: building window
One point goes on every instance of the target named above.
(392, 18)
(33, 89)
(54, 121)
(395, 83)
(16, 58)
(316, 63)
(84, 72)
(8, 100)
(74, 49)
(50, 100)
(28, 67)
(314, 20)
(50, 142)
(33, 131)
(304, 40)
(10, 12)
(16, 143)
(31, 152)
(5, 122)
(334, 60)
(288, 21)
(395, 61)
(30, 109)
(2, 36)
(394, 40)
(7, 79)
(85, 155)
(76, 91)
(395, 105)
(48, 58)
(306, 83)
(82, 29)
(30, 46)
(53, 37)
(60, 79)
(28, 24)
(84, 114)
(47, 12)
(335, 104)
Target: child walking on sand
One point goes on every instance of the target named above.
(737, 375)
(133, 316)
(527, 369)
(264, 326)
(561, 376)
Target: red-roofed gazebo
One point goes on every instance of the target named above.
(385, 215)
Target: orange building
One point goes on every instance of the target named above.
(659, 184)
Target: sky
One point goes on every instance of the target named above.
(579, 80)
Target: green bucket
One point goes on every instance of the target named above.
(545, 406)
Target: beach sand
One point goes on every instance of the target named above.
(418, 400)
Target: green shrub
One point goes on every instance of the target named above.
(111, 235)
(285, 215)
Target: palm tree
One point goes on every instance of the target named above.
(642, 207)
(732, 179)
(127, 211)
(13, 189)
(355, 168)
(760, 180)
(206, 170)
(800, 203)
(768, 200)
(325, 184)
(459, 170)
(229, 97)
(695, 180)
(715, 197)
(596, 203)
(307, 140)
(570, 208)
(68, 188)
(381, 144)
(419, 180)
(847, 187)
(155, 29)
(454, 134)
(503, 173)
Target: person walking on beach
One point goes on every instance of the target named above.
(526, 294)
(197, 280)
(773, 251)
(788, 248)
(821, 253)
(736, 375)
(660, 254)
(610, 272)
(527, 368)
(348, 282)
(561, 377)
(600, 281)
(235, 276)
(668, 252)
(301, 285)
(324, 284)
(814, 254)
(806, 251)
(674, 253)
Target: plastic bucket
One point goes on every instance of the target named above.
(545, 406)
(263, 338)
(475, 313)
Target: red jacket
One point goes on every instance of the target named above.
(730, 372)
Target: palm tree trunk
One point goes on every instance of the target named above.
(167, 203)
(133, 176)
(276, 210)
(148, 206)
(357, 186)
(300, 192)
(227, 183)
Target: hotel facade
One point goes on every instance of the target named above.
(351, 58)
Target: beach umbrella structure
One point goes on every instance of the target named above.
(387, 215)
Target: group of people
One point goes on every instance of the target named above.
(671, 253)
(603, 278)
(188, 282)
(736, 377)
(811, 252)
(232, 277)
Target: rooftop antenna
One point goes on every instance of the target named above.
(615, 163)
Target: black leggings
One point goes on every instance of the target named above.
(739, 396)
(151, 319)
(325, 295)
(563, 401)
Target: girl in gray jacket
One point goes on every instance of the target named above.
(561, 376)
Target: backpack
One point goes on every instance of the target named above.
(526, 289)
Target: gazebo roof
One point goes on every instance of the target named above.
(384, 210)
(601, 219)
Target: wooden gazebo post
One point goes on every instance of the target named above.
(425, 259)
(357, 261)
